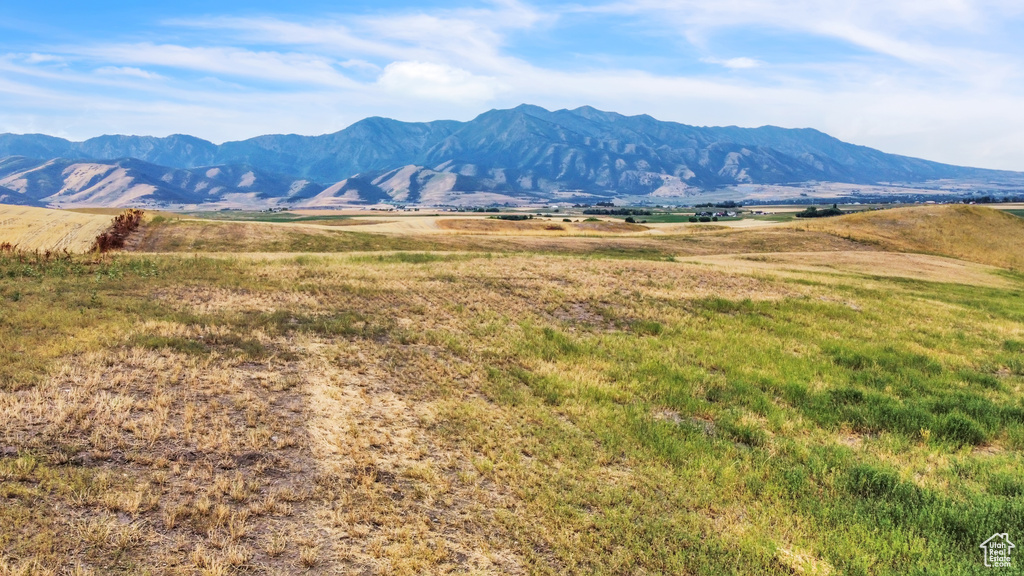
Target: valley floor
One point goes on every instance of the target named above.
(245, 398)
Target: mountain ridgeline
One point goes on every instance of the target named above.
(522, 155)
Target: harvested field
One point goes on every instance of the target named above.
(41, 229)
(218, 236)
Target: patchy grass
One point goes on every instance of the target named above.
(448, 410)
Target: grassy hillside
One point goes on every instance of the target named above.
(516, 411)
(974, 233)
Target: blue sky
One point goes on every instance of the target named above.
(939, 79)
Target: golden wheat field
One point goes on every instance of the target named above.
(34, 229)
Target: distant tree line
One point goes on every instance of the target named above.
(726, 204)
(994, 200)
(813, 212)
(618, 212)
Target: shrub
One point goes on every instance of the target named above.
(705, 219)
(566, 220)
(114, 237)
(694, 219)
(630, 220)
(714, 218)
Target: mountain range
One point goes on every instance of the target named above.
(523, 155)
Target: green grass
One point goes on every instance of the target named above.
(731, 363)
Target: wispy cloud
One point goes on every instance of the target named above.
(230, 62)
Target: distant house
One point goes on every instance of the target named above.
(997, 550)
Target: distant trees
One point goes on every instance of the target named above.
(813, 212)
(726, 204)
(618, 212)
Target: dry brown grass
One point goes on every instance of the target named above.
(33, 229)
(974, 233)
(552, 227)
(344, 223)
(238, 237)
(885, 264)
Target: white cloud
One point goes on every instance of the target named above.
(740, 63)
(436, 81)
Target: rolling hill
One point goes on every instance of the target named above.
(973, 233)
(522, 155)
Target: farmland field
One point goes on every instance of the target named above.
(40, 229)
(841, 396)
